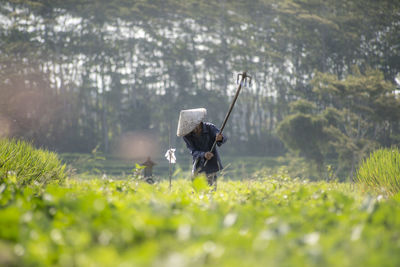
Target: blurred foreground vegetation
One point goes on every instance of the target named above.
(260, 222)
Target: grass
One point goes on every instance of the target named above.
(22, 163)
(381, 171)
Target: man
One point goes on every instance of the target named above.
(199, 137)
(148, 170)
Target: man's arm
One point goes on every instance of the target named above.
(221, 139)
(195, 153)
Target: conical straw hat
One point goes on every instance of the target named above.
(189, 119)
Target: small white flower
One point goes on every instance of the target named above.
(2, 188)
(105, 237)
(47, 197)
(230, 219)
(56, 236)
(27, 217)
(271, 220)
(267, 235)
(183, 232)
(356, 233)
(312, 238)
(209, 246)
(19, 250)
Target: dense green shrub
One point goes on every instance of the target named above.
(22, 163)
(381, 171)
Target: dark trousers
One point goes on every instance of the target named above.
(212, 179)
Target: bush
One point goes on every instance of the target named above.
(22, 163)
(381, 171)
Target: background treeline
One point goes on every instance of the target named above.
(76, 75)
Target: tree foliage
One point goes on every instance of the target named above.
(353, 117)
(104, 68)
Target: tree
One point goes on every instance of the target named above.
(353, 116)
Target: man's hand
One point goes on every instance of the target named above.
(208, 155)
(218, 137)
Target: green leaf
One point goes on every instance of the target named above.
(200, 183)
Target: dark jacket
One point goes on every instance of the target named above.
(199, 145)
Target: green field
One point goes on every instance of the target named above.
(259, 222)
(53, 217)
(235, 168)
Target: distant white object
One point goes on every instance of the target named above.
(189, 119)
(397, 78)
(170, 155)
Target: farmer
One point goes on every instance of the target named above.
(148, 170)
(199, 137)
